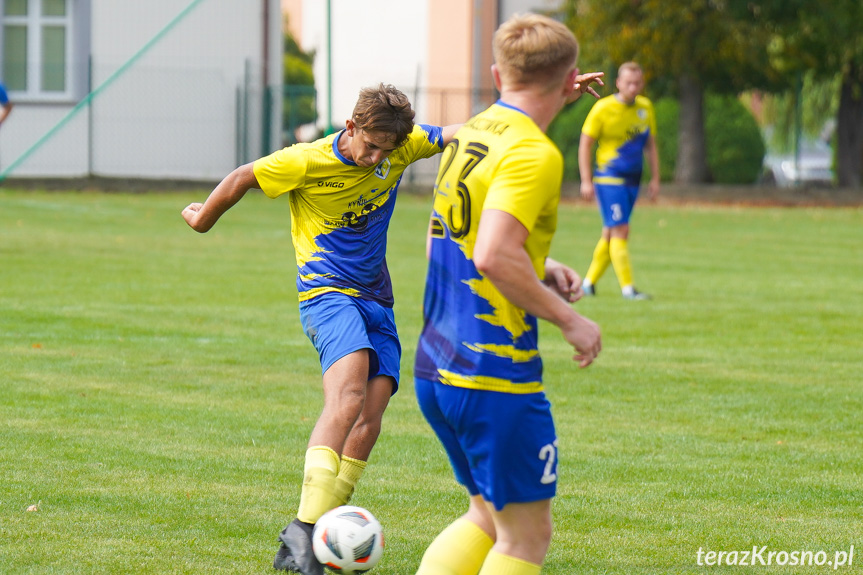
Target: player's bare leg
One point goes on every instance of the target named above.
(367, 428)
(344, 386)
(523, 537)
(363, 437)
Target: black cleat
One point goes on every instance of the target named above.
(295, 552)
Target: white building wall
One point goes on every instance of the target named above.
(173, 112)
(63, 154)
(377, 41)
(373, 41)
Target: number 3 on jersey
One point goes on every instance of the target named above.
(458, 219)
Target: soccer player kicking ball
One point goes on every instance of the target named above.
(625, 127)
(478, 370)
(342, 190)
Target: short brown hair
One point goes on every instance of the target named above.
(533, 48)
(384, 109)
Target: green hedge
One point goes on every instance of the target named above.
(735, 147)
(565, 131)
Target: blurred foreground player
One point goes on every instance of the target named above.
(478, 370)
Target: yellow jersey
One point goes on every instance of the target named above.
(622, 131)
(340, 212)
(473, 336)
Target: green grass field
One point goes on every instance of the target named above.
(157, 392)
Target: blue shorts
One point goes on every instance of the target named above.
(502, 446)
(339, 324)
(616, 202)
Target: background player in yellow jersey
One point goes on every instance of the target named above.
(478, 370)
(342, 190)
(625, 127)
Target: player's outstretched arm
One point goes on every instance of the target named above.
(585, 165)
(499, 255)
(448, 132)
(202, 217)
(652, 152)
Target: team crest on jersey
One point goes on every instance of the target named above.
(642, 113)
(383, 169)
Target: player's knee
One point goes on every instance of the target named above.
(619, 231)
(537, 540)
(529, 533)
(347, 404)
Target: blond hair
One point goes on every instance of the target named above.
(530, 48)
(384, 109)
(629, 67)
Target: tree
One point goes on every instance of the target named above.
(299, 97)
(693, 46)
(824, 39)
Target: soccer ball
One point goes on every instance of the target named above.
(348, 540)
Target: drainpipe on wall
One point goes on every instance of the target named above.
(266, 100)
(330, 129)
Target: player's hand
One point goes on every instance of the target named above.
(563, 280)
(587, 190)
(190, 213)
(653, 190)
(583, 85)
(583, 334)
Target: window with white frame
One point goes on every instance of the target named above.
(38, 48)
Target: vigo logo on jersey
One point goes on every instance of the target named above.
(331, 184)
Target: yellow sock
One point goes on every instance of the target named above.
(460, 549)
(319, 483)
(600, 262)
(350, 471)
(619, 253)
(499, 564)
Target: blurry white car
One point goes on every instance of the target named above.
(813, 167)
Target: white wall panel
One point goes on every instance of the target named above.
(167, 111)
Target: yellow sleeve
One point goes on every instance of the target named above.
(593, 122)
(282, 171)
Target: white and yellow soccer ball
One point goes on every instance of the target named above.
(348, 540)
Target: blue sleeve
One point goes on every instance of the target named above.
(434, 133)
(424, 142)
(4, 97)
